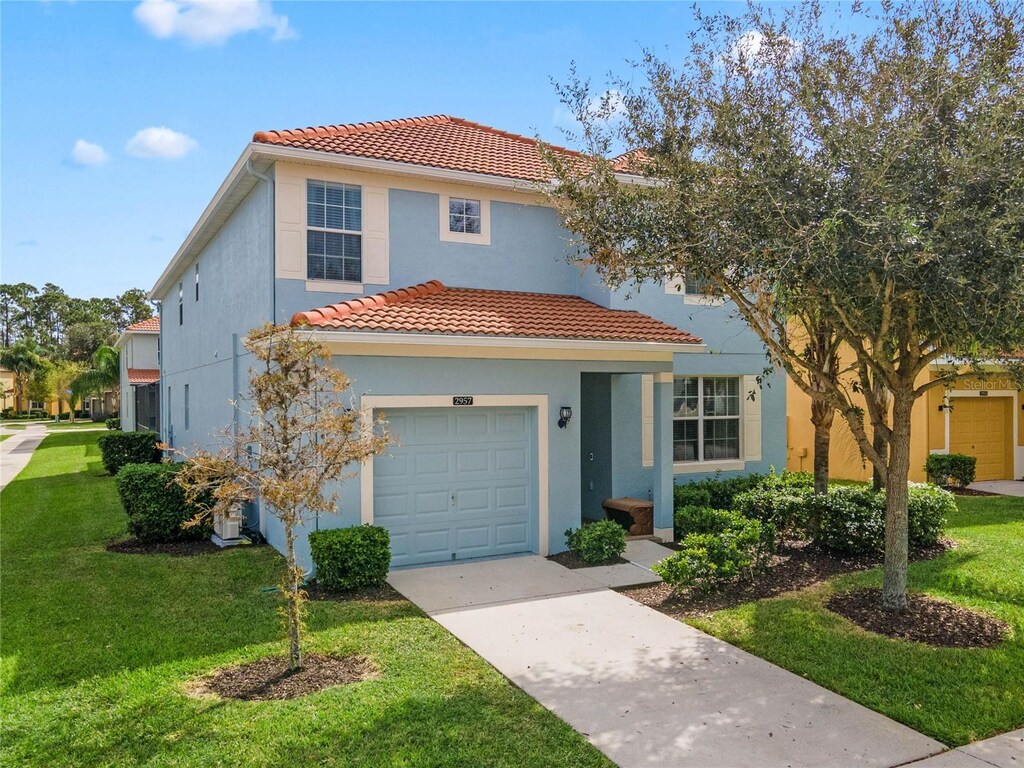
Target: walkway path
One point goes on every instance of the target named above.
(1003, 487)
(644, 688)
(16, 450)
(1005, 751)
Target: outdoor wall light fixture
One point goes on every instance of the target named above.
(564, 414)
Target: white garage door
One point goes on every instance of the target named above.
(461, 484)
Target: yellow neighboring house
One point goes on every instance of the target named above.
(9, 400)
(981, 416)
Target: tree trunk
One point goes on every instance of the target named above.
(881, 397)
(822, 415)
(293, 598)
(894, 586)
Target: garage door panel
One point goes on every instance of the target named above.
(982, 427)
(511, 534)
(460, 482)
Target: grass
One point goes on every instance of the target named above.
(955, 696)
(13, 425)
(86, 424)
(97, 648)
(4, 437)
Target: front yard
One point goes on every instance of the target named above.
(953, 695)
(98, 648)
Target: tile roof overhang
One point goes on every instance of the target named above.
(151, 325)
(433, 311)
(143, 376)
(436, 147)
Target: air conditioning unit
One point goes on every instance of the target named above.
(227, 533)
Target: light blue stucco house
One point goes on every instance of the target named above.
(524, 392)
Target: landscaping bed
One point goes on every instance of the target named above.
(798, 565)
(925, 620)
(573, 560)
(271, 679)
(133, 546)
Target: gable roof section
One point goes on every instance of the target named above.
(433, 308)
(438, 141)
(152, 325)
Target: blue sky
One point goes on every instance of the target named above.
(108, 215)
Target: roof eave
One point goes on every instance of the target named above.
(480, 340)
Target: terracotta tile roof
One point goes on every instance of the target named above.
(143, 375)
(152, 324)
(434, 308)
(439, 141)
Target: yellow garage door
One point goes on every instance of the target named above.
(983, 427)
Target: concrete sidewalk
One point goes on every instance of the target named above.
(648, 690)
(1002, 487)
(16, 450)
(1003, 751)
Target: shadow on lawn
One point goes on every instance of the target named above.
(72, 610)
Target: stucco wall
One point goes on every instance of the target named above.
(203, 352)
(560, 381)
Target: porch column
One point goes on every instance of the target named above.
(662, 492)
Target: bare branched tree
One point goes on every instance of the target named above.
(302, 439)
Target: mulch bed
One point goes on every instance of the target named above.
(174, 548)
(798, 565)
(925, 620)
(969, 492)
(271, 680)
(572, 560)
(382, 594)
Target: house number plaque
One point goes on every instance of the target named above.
(462, 400)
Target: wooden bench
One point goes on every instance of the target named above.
(636, 515)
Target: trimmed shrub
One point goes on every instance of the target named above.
(597, 542)
(955, 469)
(850, 519)
(706, 560)
(694, 519)
(691, 495)
(927, 509)
(120, 448)
(348, 558)
(784, 506)
(155, 504)
(721, 492)
(114, 423)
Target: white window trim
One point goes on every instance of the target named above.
(326, 284)
(748, 410)
(676, 286)
(447, 236)
(332, 286)
(370, 403)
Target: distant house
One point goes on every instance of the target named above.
(139, 346)
(524, 391)
(9, 400)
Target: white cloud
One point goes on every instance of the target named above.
(751, 47)
(161, 143)
(86, 153)
(604, 108)
(210, 22)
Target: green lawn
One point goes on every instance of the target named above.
(13, 425)
(97, 647)
(4, 437)
(84, 424)
(955, 696)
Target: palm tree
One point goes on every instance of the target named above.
(21, 358)
(104, 375)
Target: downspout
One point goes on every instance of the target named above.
(250, 168)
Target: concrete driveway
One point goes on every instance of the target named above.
(1002, 487)
(645, 689)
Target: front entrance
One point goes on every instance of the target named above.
(461, 485)
(983, 427)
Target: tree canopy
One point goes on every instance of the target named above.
(872, 180)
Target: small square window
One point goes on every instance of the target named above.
(464, 216)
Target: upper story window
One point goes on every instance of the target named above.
(197, 281)
(694, 290)
(181, 303)
(696, 286)
(334, 224)
(464, 216)
(706, 419)
(465, 220)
